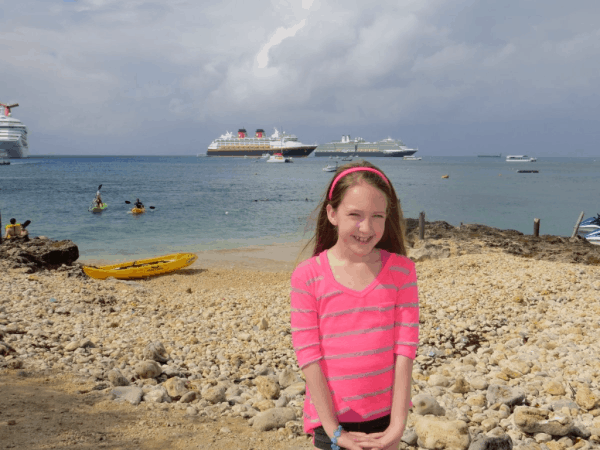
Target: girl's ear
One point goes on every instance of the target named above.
(332, 215)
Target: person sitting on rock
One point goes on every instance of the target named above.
(14, 230)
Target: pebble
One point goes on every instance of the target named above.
(526, 370)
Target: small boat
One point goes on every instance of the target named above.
(593, 237)
(528, 171)
(330, 168)
(490, 156)
(97, 209)
(590, 224)
(4, 163)
(520, 158)
(142, 268)
(412, 158)
(445, 176)
(347, 158)
(138, 210)
(278, 158)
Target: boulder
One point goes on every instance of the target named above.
(148, 369)
(492, 443)
(436, 433)
(117, 378)
(267, 387)
(424, 404)
(155, 351)
(176, 387)
(38, 253)
(505, 395)
(535, 420)
(273, 418)
(131, 394)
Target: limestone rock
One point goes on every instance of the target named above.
(157, 395)
(436, 433)
(264, 405)
(438, 380)
(504, 394)
(553, 387)
(287, 377)
(267, 387)
(215, 394)
(117, 378)
(491, 443)
(273, 418)
(189, 397)
(131, 394)
(461, 386)
(155, 351)
(295, 389)
(585, 398)
(176, 388)
(148, 369)
(424, 404)
(535, 420)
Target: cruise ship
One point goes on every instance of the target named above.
(359, 147)
(13, 134)
(258, 145)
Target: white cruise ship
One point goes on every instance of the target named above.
(258, 145)
(13, 134)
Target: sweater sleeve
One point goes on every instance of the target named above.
(406, 333)
(304, 321)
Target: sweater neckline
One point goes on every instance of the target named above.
(385, 259)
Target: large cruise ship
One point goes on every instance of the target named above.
(359, 147)
(258, 145)
(13, 134)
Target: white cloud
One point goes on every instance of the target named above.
(277, 38)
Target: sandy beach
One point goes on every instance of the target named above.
(202, 358)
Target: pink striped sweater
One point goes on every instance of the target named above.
(354, 334)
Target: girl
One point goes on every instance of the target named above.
(355, 315)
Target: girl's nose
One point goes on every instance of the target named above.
(364, 225)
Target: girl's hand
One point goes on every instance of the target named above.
(389, 439)
(354, 440)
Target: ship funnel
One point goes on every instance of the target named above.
(242, 133)
(259, 133)
(7, 108)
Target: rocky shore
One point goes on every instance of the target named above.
(509, 354)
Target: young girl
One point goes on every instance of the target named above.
(355, 315)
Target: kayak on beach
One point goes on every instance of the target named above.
(142, 268)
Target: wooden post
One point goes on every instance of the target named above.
(422, 225)
(576, 229)
(536, 227)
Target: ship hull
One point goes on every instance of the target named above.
(363, 154)
(13, 148)
(297, 152)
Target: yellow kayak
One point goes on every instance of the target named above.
(138, 210)
(143, 267)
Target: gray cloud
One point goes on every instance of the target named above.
(107, 69)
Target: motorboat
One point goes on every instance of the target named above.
(593, 238)
(265, 156)
(330, 168)
(279, 158)
(412, 158)
(590, 224)
(520, 158)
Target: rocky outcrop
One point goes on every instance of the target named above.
(39, 253)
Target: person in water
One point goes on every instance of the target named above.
(14, 230)
(138, 204)
(355, 315)
(98, 200)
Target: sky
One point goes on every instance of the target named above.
(449, 77)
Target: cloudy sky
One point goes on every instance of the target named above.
(451, 77)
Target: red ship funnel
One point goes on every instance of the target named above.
(260, 133)
(241, 133)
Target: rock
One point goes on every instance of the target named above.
(263, 324)
(429, 251)
(424, 404)
(176, 388)
(148, 369)
(155, 351)
(461, 386)
(131, 394)
(504, 394)
(553, 387)
(72, 346)
(273, 418)
(585, 398)
(267, 387)
(157, 395)
(491, 443)
(287, 377)
(215, 394)
(117, 378)
(410, 437)
(479, 383)
(535, 420)
(189, 397)
(438, 380)
(295, 389)
(5, 349)
(264, 405)
(40, 254)
(436, 433)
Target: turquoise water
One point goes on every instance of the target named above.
(209, 203)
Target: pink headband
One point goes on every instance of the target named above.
(355, 169)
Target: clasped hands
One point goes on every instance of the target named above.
(386, 440)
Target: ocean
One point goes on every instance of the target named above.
(207, 203)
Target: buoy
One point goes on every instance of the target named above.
(226, 212)
(445, 176)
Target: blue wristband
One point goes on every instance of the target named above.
(336, 434)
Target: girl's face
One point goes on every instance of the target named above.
(360, 219)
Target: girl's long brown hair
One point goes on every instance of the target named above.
(326, 236)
